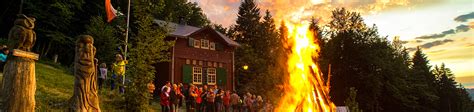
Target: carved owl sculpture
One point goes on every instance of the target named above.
(21, 35)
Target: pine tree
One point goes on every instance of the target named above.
(246, 32)
(148, 48)
(351, 102)
(105, 39)
(248, 22)
(453, 98)
(423, 82)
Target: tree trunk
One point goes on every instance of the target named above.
(49, 47)
(19, 85)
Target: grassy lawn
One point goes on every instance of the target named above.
(54, 87)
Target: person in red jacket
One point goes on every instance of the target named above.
(198, 99)
(165, 101)
(226, 100)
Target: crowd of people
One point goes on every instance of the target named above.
(194, 98)
(209, 98)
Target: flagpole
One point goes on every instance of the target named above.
(126, 39)
(126, 31)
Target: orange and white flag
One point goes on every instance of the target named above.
(111, 12)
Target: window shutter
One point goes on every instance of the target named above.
(187, 74)
(204, 76)
(190, 42)
(221, 77)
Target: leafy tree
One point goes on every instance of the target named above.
(148, 48)
(173, 10)
(57, 23)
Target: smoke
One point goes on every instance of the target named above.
(465, 17)
(225, 11)
(300, 10)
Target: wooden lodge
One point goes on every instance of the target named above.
(200, 56)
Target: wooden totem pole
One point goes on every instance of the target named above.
(85, 97)
(19, 82)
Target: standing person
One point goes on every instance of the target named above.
(103, 74)
(191, 99)
(210, 106)
(118, 68)
(204, 94)
(165, 101)
(248, 103)
(252, 102)
(182, 96)
(151, 90)
(3, 57)
(168, 86)
(268, 107)
(219, 102)
(174, 98)
(199, 99)
(226, 101)
(179, 95)
(258, 104)
(234, 102)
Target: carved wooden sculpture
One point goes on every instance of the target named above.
(22, 36)
(19, 83)
(85, 98)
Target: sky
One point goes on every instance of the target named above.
(442, 28)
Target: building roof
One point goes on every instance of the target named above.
(184, 31)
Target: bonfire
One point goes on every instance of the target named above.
(304, 89)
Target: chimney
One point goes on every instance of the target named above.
(181, 20)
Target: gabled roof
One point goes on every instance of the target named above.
(184, 31)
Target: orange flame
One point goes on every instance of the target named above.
(305, 90)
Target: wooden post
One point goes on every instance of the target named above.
(19, 82)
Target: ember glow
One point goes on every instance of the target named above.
(305, 90)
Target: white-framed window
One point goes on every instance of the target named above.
(211, 76)
(212, 46)
(197, 75)
(204, 44)
(197, 44)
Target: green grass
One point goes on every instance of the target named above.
(54, 87)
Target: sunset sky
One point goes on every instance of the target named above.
(443, 28)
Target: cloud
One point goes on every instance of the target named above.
(458, 29)
(462, 28)
(435, 43)
(465, 17)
